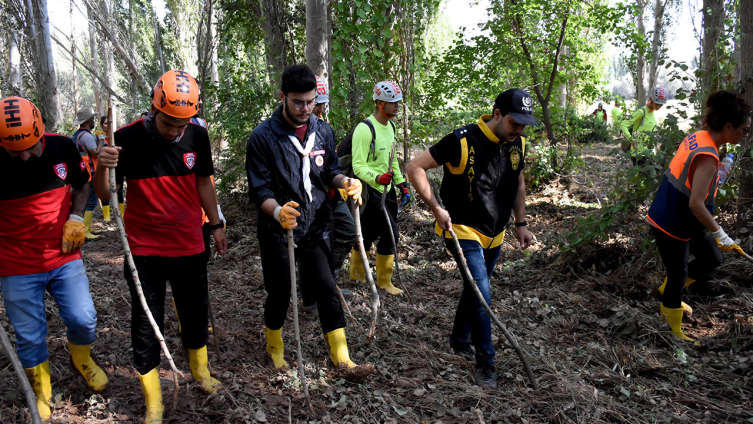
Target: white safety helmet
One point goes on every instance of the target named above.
(659, 95)
(322, 93)
(387, 91)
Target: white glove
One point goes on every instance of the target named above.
(222, 218)
(723, 238)
(102, 137)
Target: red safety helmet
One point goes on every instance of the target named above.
(21, 124)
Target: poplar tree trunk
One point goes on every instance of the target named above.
(15, 76)
(48, 89)
(745, 198)
(318, 39)
(73, 63)
(274, 38)
(656, 42)
(640, 70)
(94, 61)
(713, 25)
(106, 53)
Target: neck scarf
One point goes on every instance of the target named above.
(151, 128)
(306, 162)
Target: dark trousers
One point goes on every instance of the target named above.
(374, 225)
(675, 254)
(471, 319)
(344, 237)
(93, 201)
(187, 277)
(312, 257)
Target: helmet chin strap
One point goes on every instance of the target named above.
(386, 115)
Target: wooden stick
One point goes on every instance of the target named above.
(31, 398)
(389, 224)
(215, 329)
(495, 320)
(352, 320)
(111, 116)
(367, 270)
(294, 296)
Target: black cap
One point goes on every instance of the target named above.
(518, 104)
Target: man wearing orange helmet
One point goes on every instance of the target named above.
(371, 164)
(42, 201)
(167, 163)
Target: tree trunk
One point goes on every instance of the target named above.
(73, 63)
(157, 39)
(274, 38)
(317, 38)
(15, 76)
(656, 42)
(134, 85)
(49, 88)
(713, 25)
(94, 61)
(640, 69)
(107, 45)
(745, 198)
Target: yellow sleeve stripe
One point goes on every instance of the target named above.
(457, 170)
(467, 233)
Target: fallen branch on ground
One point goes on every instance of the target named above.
(31, 398)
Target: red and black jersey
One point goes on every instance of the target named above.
(35, 202)
(163, 217)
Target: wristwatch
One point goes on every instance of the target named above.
(216, 226)
(521, 224)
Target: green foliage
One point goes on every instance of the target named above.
(544, 162)
(631, 189)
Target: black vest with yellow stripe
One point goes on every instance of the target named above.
(480, 188)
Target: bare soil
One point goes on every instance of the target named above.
(589, 325)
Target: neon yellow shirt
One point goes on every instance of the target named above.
(633, 126)
(616, 114)
(364, 166)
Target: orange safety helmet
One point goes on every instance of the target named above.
(176, 94)
(21, 124)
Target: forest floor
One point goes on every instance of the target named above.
(589, 326)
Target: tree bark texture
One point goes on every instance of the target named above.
(745, 197)
(657, 42)
(73, 63)
(49, 88)
(640, 69)
(94, 60)
(318, 38)
(15, 76)
(274, 38)
(713, 25)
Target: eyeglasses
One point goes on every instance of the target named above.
(299, 104)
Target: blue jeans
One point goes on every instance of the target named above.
(471, 320)
(93, 201)
(24, 301)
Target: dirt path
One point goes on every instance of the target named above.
(590, 327)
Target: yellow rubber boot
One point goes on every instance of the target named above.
(357, 272)
(88, 215)
(152, 396)
(177, 316)
(687, 310)
(106, 212)
(275, 347)
(121, 206)
(384, 274)
(338, 352)
(674, 317)
(94, 377)
(197, 362)
(39, 377)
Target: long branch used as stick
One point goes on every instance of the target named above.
(468, 276)
(367, 270)
(352, 320)
(388, 220)
(294, 296)
(111, 117)
(31, 398)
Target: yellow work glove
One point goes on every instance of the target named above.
(725, 242)
(353, 188)
(73, 233)
(733, 247)
(286, 215)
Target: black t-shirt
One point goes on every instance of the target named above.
(163, 217)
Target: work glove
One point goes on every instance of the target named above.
(73, 233)
(725, 242)
(286, 215)
(404, 195)
(353, 188)
(385, 178)
(734, 247)
(222, 218)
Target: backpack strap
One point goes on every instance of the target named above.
(373, 139)
(635, 128)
